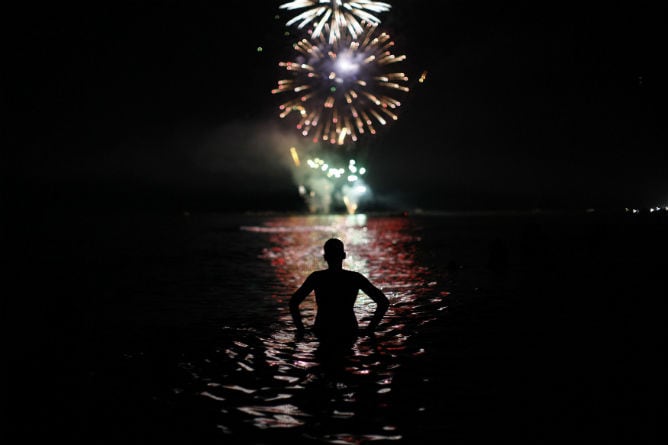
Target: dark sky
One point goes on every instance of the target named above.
(168, 104)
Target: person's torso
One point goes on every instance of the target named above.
(335, 293)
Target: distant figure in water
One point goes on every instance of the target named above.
(336, 290)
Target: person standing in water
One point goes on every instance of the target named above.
(336, 290)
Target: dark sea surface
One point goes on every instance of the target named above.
(174, 328)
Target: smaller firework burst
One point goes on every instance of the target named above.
(339, 15)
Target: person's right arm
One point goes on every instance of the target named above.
(296, 299)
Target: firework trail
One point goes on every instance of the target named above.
(339, 15)
(342, 89)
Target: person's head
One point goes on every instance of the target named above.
(334, 252)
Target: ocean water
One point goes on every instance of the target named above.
(175, 329)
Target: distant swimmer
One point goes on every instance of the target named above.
(336, 291)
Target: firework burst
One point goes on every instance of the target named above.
(344, 88)
(339, 15)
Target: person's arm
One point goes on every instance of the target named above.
(296, 299)
(378, 297)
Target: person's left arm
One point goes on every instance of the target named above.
(378, 297)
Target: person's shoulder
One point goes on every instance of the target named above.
(316, 274)
(354, 274)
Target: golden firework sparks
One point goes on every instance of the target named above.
(341, 88)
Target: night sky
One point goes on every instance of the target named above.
(167, 105)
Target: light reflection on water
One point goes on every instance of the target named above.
(270, 379)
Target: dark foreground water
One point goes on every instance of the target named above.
(529, 328)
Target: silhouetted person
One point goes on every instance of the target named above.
(336, 290)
